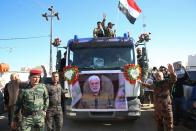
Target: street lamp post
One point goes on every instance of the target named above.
(52, 14)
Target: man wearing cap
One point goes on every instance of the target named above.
(32, 102)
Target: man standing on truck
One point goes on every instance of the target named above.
(98, 31)
(142, 64)
(63, 62)
(144, 68)
(61, 77)
(108, 31)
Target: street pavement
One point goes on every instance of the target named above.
(146, 122)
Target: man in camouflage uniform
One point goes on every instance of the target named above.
(108, 31)
(162, 100)
(98, 31)
(54, 117)
(144, 66)
(33, 103)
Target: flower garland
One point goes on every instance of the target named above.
(71, 74)
(132, 73)
(56, 42)
(145, 37)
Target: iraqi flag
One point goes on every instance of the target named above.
(130, 9)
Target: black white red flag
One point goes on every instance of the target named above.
(130, 9)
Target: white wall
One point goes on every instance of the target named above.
(5, 77)
(192, 60)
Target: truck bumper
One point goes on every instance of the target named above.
(118, 115)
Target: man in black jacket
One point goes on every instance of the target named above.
(178, 94)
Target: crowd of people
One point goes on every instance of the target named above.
(164, 88)
(36, 104)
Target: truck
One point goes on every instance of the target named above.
(114, 62)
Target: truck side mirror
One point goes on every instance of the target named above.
(145, 58)
(144, 54)
(58, 60)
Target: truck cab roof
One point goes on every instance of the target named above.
(101, 41)
(101, 53)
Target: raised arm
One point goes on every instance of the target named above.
(103, 22)
(46, 98)
(149, 86)
(173, 77)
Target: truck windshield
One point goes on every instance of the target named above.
(102, 58)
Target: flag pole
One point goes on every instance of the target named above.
(117, 20)
(143, 23)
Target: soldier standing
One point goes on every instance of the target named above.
(54, 117)
(98, 31)
(108, 31)
(142, 64)
(144, 67)
(162, 100)
(32, 102)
